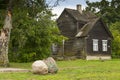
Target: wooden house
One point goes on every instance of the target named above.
(88, 35)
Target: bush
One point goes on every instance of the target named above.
(115, 29)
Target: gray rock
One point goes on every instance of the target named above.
(39, 67)
(52, 66)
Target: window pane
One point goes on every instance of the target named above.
(95, 44)
(104, 44)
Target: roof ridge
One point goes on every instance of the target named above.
(71, 9)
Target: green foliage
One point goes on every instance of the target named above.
(33, 30)
(108, 10)
(31, 39)
(115, 29)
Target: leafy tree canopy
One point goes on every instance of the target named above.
(108, 10)
(33, 30)
(115, 29)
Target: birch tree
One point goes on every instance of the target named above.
(5, 37)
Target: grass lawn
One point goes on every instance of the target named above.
(71, 70)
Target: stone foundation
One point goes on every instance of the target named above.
(98, 57)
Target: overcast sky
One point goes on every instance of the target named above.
(68, 4)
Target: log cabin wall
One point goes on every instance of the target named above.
(100, 33)
(81, 29)
(68, 27)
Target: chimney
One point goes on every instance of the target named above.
(79, 8)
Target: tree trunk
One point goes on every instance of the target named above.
(4, 40)
(5, 36)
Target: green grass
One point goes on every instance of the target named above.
(71, 70)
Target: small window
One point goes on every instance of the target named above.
(95, 44)
(104, 45)
(54, 48)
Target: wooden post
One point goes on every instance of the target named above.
(63, 47)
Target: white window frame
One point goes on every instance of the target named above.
(104, 45)
(95, 45)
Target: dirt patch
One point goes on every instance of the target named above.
(13, 70)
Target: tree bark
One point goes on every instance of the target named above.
(5, 38)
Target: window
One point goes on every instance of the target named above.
(95, 44)
(54, 48)
(104, 45)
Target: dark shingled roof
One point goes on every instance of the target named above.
(85, 16)
(88, 17)
(87, 27)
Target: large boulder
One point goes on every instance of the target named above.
(52, 66)
(39, 67)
